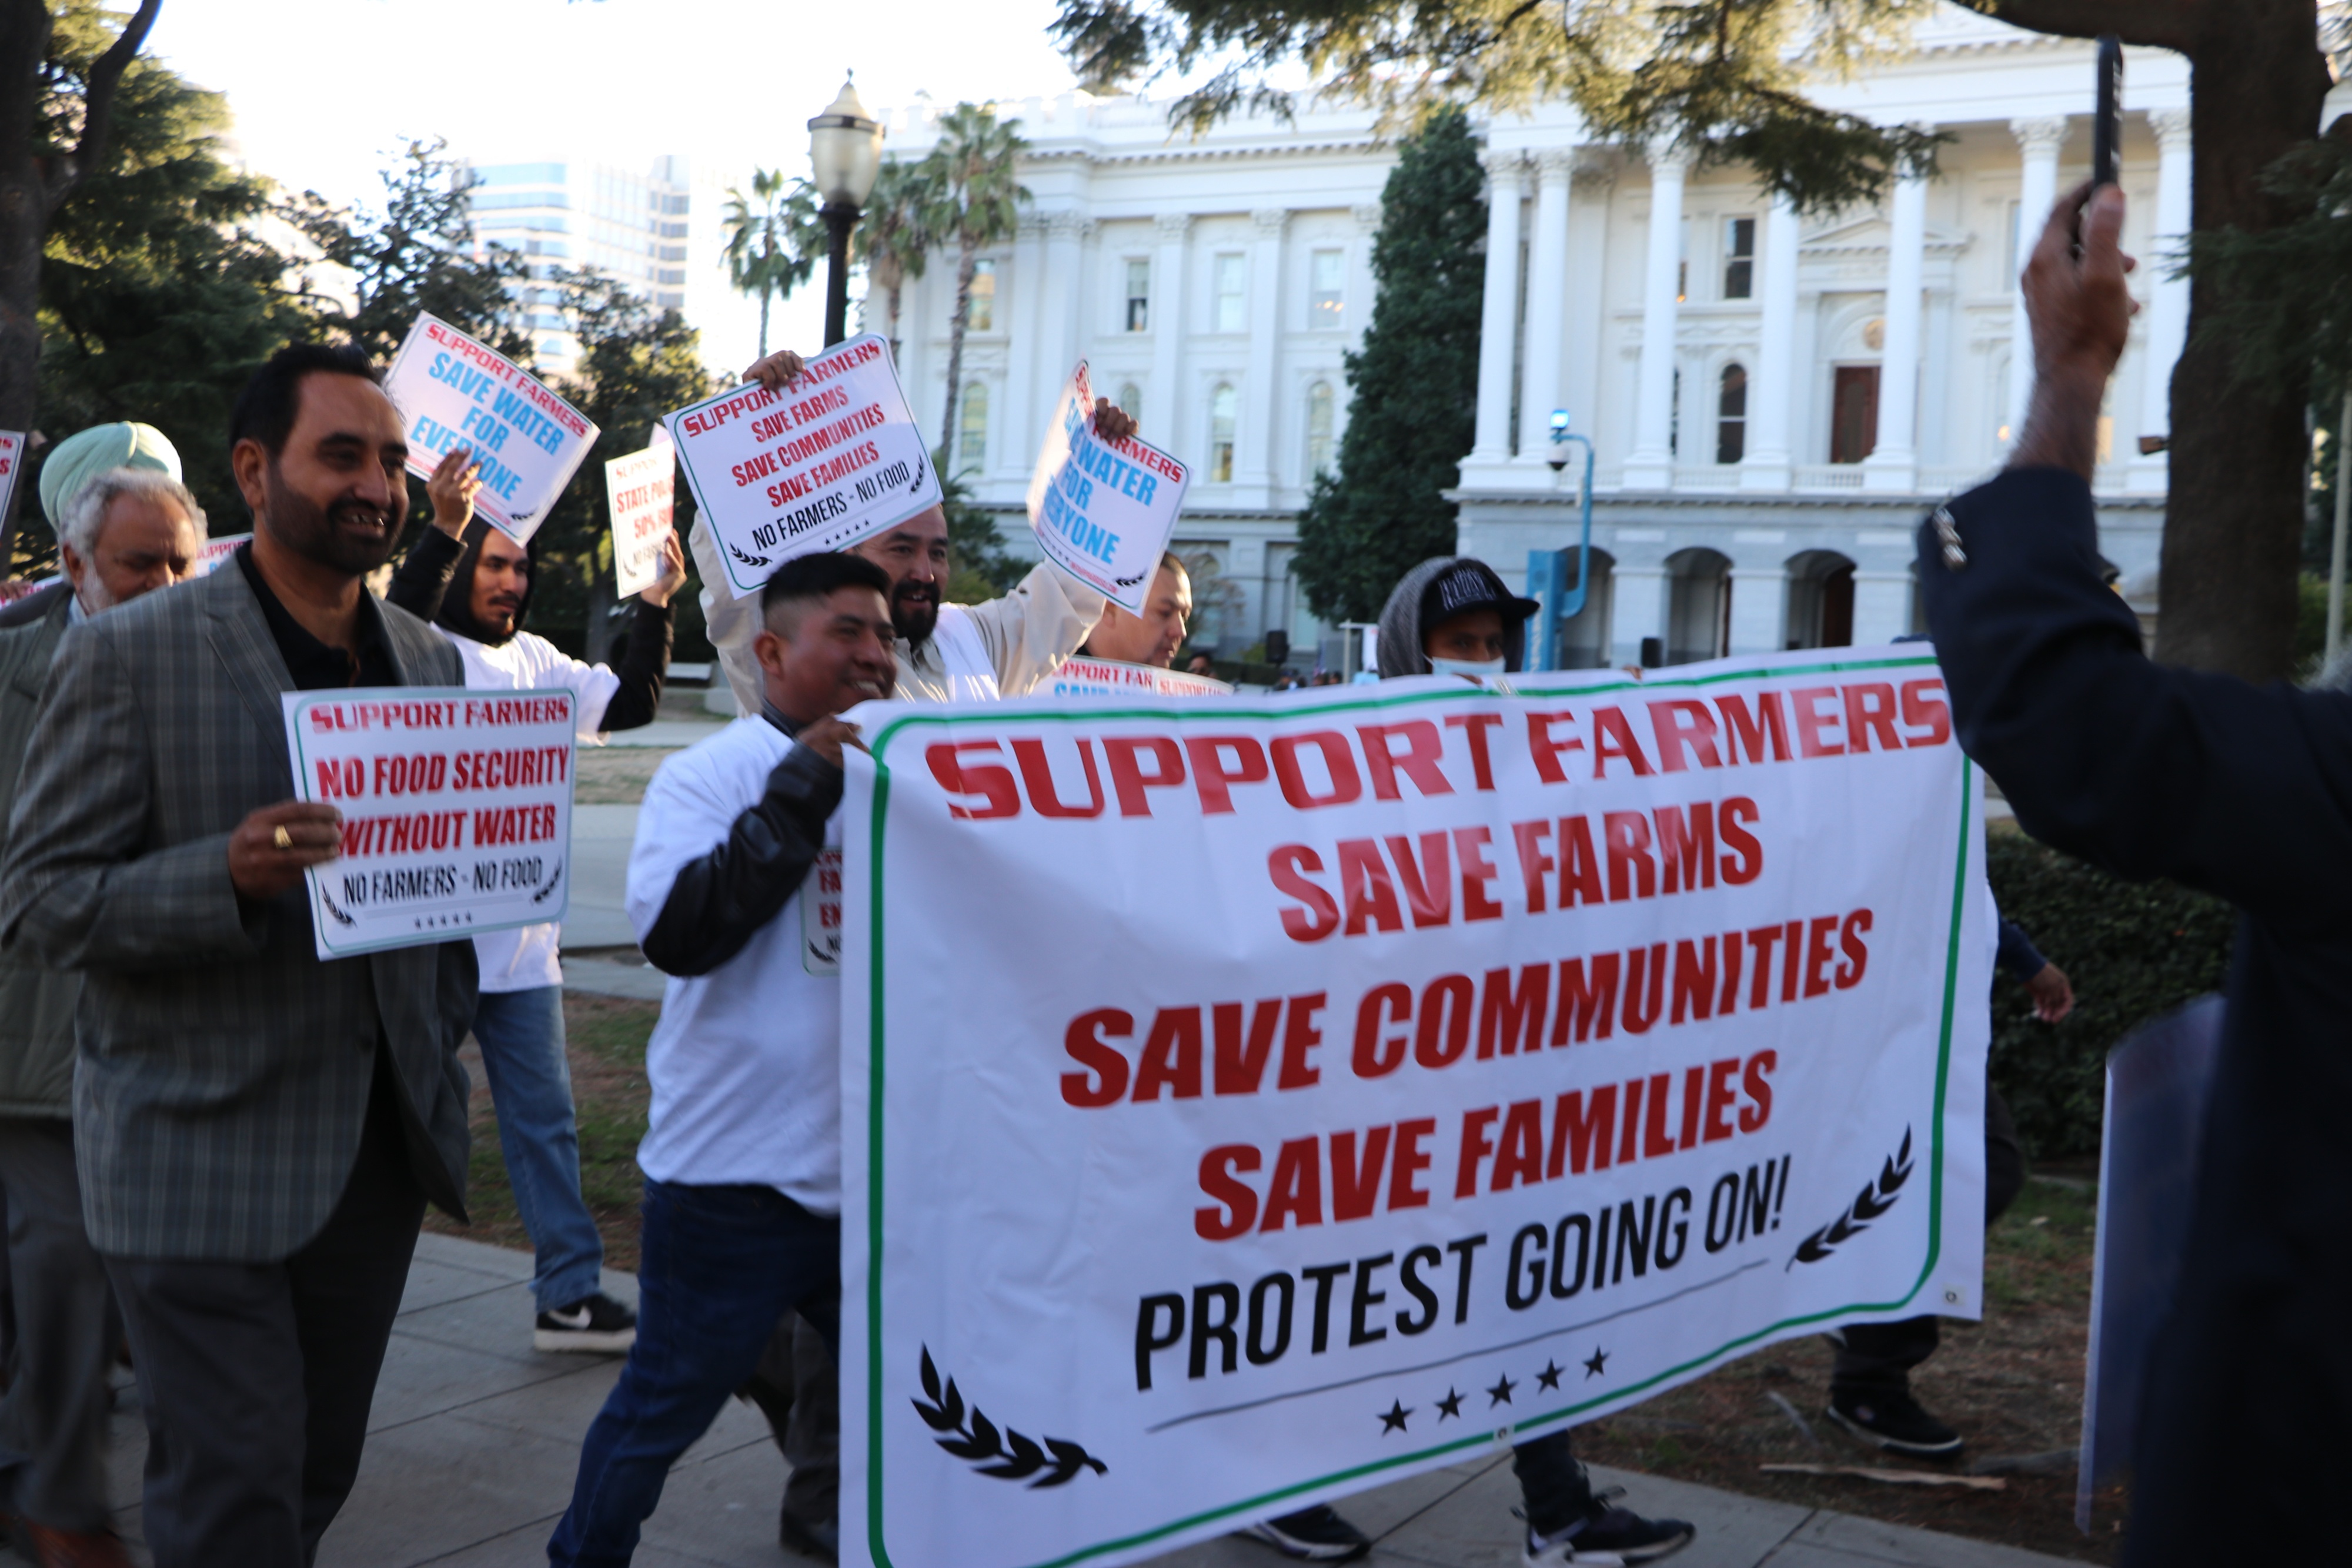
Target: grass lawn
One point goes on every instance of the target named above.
(2012, 1383)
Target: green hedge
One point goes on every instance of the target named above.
(2132, 949)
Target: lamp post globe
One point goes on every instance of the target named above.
(844, 157)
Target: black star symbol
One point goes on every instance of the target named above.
(1599, 1363)
(1394, 1420)
(1549, 1377)
(1501, 1392)
(1449, 1406)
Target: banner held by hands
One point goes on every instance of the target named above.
(453, 393)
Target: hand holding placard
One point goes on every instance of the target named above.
(1103, 508)
(453, 393)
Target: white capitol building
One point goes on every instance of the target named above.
(1773, 401)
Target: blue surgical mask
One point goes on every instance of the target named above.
(1468, 669)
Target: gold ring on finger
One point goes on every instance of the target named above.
(281, 838)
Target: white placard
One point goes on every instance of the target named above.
(637, 488)
(12, 459)
(457, 810)
(452, 392)
(1502, 1060)
(1103, 510)
(835, 457)
(1080, 677)
(215, 551)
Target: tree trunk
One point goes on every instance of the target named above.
(967, 263)
(763, 320)
(896, 289)
(2234, 514)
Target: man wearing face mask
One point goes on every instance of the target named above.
(946, 653)
(474, 583)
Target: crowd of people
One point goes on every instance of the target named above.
(217, 1148)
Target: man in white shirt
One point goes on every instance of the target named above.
(1152, 637)
(946, 653)
(474, 583)
(742, 1150)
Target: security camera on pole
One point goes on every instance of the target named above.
(845, 155)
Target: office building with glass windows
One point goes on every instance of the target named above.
(1775, 399)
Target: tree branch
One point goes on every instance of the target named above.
(2159, 23)
(97, 104)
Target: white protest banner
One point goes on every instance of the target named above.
(1102, 510)
(637, 488)
(834, 457)
(12, 459)
(1080, 677)
(215, 551)
(1267, 1099)
(456, 809)
(452, 392)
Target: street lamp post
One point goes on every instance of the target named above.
(845, 154)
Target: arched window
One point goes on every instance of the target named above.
(1223, 406)
(1131, 400)
(1820, 600)
(1731, 415)
(1318, 429)
(971, 430)
(1698, 606)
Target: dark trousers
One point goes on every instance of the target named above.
(798, 1388)
(1879, 1357)
(717, 1267)
(53, 1421)
(256, 1377)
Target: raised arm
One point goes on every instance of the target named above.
(1030, 631)
(2149, 772)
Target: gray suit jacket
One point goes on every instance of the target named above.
(225, 1070)
(37, 1002)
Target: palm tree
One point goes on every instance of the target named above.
(897, 233)
(978, 205)
(773, 247)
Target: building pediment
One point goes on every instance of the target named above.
(1868, 236)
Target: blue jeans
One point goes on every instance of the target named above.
(521, 1037)
(718, 1266)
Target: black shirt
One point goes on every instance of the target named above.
(316, 665)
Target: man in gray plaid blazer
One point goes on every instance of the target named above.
(259, 1130)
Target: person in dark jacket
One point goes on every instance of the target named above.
(2233, 790)
(473, 584)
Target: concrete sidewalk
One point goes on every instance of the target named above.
(474, 1438)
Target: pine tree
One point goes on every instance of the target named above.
(1413, 388)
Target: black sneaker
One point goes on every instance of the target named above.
(1317, 1534)
(1891, 1420)
(1608, 1534)
(819, 1538)
(599, 1325)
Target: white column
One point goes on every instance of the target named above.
(1588, 195)
(1810, 392)
(1938, 374)
(2037, 141)
(1772, 390)
(2167, 305)
(1894, 462)
(1261, 419)
(1637, 608)
(1651, 465)
(1882, 604)
(1540, 387)
(1065, 273)
(1759, 608)
(1016, 440)
(1499, 321)
(1164, 400)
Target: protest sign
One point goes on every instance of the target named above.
(832, 458)
(215, 551)
(637, 488)
(12, 459)
(1080, 677)
(1263, 1100)
(18, 587)
(1102, 510)
(457, 810)
(452, 392)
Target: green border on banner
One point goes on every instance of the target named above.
(1267, 1502)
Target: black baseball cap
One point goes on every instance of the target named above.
(1468, 585)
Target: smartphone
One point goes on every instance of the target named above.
(2107, 128)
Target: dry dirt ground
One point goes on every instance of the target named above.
(2012, 1383)
(617, 775)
